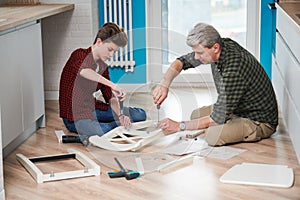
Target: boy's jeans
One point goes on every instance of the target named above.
(104, 121)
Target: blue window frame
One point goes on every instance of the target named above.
(267, 34)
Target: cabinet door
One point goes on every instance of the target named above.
(289, 68)
(286, 74)
(10, 88)
(31, 66)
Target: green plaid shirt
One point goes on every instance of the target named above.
(244, 89)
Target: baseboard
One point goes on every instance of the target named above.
(20, 139)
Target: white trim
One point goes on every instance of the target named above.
(253, 27)
(154, 42)
(2, 194)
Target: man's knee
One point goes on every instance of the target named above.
(213, 137)
(213, 142)
(228, 133)
(201, 112)
(236, 130)
(267, 130)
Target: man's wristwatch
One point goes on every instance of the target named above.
(182, 126)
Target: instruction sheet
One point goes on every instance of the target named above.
(187, 146)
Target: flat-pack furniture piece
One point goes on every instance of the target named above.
(260, 174)
(132, 139)
(90, 167)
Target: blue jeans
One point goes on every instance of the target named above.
(104, 121)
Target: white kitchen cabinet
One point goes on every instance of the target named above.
(21, 83)
(286, 73)
(32, 74)
(10, 87)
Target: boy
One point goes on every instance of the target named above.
(85, 73)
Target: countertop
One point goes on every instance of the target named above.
(13, 16)
(292, 8)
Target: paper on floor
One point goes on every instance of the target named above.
(187, 146)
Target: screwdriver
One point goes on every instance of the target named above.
(128, 174)
(121, 106)
(83, 139)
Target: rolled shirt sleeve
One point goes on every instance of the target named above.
(189, 61)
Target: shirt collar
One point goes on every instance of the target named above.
(221, 59)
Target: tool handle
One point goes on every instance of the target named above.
(128, 175)
(116, 174)
(71, 139)
(75, 139)
(132, 175)
(121, 106)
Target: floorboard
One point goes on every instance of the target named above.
(196, 180)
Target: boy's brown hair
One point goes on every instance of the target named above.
(111, 32)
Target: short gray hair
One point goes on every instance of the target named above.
(204, 34)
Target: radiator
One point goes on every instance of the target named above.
(120, 12)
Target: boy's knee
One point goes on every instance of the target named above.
(139, 116)
(143, 116)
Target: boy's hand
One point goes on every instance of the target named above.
(119, 92)
(124, 121)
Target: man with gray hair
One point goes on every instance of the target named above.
(246, 107)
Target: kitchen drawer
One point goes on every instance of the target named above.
(289, 30)
(289, 69)
(280, 89)
(287, 106)
(293, 126)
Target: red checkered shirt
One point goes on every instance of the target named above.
(76, 99)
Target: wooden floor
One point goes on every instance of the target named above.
(197, 180)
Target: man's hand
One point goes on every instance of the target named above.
(169, 126)
(160, 93)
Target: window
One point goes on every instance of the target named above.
(179, 16)
(237, 19)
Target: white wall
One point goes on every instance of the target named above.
(62, 34)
